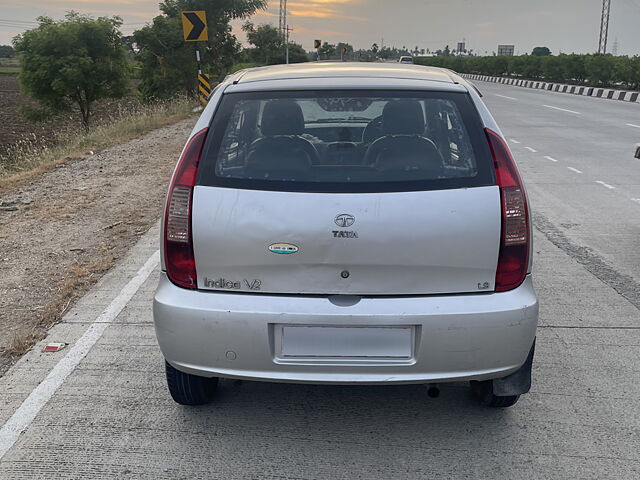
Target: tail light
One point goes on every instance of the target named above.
(178, 241)
(513, 259)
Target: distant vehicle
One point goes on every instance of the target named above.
(347, 223)
(406, 60)
(637, 151)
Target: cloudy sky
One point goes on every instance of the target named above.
(562, 25)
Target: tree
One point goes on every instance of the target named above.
(327, 50)
(168, 62)
(297, 54)
(344, 51)
(599, 69)
(541, 52)
(269, 47)
(267, 42)
(75, 61)
(7, 51)
(374, 49)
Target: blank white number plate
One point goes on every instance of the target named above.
(351, 342)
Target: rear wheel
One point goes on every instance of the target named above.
(187, 389)
(483, 392)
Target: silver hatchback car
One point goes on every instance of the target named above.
(347, 224)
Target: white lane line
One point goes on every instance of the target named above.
(605, 185)
(633, 125)
(514, 140)
(574, 169)
(504, 96)
(531, 150)
(562, 109)
(551, 158)
(637, 200)
(39, 396)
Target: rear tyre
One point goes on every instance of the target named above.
(483, 392)
(187, 389)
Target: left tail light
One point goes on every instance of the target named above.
(178, 240)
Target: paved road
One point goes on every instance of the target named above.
(105, 413)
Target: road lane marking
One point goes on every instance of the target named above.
(40, 396)
(562, 109)
(605, 185)
(633, 125)
(551, 158)
(514, 140)
(531, 150)
(574, 169)
(637, 200)
(504, 96)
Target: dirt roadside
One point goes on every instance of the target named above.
(61, 231)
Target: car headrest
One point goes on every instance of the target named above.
(403, 117)
(282, 117)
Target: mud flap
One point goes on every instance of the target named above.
(518, 382)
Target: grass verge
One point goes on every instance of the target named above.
(78, 280)
(28, 156)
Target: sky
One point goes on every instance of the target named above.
(565, 26)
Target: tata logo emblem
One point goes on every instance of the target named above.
(344, 220)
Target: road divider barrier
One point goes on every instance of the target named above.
(596, 92)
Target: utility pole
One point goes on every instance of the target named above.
(284, 28)
(288, 30)
(604, 26)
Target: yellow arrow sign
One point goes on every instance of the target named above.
(317, 44)
(194, 26)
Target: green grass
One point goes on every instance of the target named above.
(9, 71)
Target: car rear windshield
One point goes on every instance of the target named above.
(346, 141)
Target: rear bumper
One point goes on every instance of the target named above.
(457, 337)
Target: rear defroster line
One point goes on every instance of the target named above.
(38, 398)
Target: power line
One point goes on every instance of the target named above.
(18, 21)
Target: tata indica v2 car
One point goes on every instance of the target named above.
(347, 224)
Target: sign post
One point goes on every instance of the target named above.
(194, 29)
(317, 44)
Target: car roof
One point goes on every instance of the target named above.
(344, 70)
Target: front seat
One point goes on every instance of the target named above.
(403, 146)
(282, 154)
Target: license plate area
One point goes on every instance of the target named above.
(330, 344)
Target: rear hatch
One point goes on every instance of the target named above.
(346, 192)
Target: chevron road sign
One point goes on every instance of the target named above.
(194, 26)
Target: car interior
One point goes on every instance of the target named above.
(345, 140)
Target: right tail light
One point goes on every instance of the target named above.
(513, 259)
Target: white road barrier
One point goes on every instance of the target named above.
(606, 93)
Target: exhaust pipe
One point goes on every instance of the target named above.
(433, 391)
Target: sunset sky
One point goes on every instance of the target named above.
(562, 25)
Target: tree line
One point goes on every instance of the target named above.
(592, 69)
(74, 62)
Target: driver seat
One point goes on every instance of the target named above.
(403, 146)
